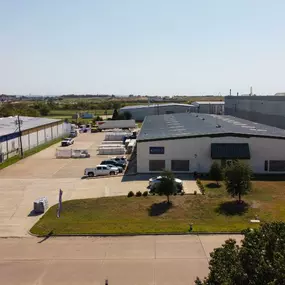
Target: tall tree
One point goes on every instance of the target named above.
(115, 115)
(259, 260)
(237, 179)
(167, 185)
(216, 172)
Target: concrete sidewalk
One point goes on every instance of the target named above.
(155, 260)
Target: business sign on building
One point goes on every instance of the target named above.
(156, 150)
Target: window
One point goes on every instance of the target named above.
(156, 150)
(180, 165)
(156, 165)
(266, 165)
(277, 165)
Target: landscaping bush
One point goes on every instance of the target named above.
(131, 194)
(138, 194)
(195, 192)
(198, 181)
(145, 193)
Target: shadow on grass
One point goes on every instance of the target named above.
(34, 214)
(213, 185)
(158, 209)
(232, 208)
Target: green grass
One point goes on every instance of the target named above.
(213, 212)
(27, 153)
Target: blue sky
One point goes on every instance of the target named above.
(153, 47)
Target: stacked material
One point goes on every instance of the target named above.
(111, 142)
(63, 153)
(114, 150)
(118, 136)
(41, 205)
(131, 146)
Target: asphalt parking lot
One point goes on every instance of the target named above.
(43, 175)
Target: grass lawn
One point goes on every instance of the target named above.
(213, 212)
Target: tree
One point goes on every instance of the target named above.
(216, 172)
(167, 184)
(127, 115)
(115, 115)
(259, 260)
(237, 179)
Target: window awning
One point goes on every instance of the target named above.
(230, 151)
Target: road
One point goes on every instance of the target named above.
(143, 260)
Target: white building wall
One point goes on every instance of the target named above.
(25, 142)
(54, 132)
(198, 151)
(33, 139)
(48, 134)
(41, 136)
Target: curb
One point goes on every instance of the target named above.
(137, 235)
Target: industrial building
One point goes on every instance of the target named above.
(191, 142)
(208, 107)
(139, 112)
(34, 132)
(269, 110)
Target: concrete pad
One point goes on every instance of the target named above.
(179, 272)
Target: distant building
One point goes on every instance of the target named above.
(269, 110)
(86, 116)
(7, 98)
(208, 107)
(139, 112)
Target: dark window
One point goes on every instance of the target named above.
(180, 165)
(156, 165)
(156, 150)
(266, 165)
(277, 165)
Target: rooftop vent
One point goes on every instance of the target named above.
(218, 126)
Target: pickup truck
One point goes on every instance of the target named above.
(100, 170)
(67, 142)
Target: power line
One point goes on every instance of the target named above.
(18, 123)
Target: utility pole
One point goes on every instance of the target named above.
(18, 123)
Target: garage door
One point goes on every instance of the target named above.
(156, 165)
(180, 165)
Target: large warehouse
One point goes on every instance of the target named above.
(269, 110)
(139, 112)
(35, 131)
(191, 142)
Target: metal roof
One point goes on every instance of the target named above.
(118, 124)
(208, 103)
(153, 106)
(184, 125)
(8, 126)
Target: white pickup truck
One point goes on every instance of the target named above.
(101, 170)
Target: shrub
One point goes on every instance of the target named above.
(131, 194)
(182, 193)
(145, 193)
(138, 194)
(198, 181)
(195, 192)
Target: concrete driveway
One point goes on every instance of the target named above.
(43, 175)
(145, 260)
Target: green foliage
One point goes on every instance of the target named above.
(237, 179)
(115, 115)
(131, 194)
(216, 172)
(127, 115)
(259, 260)
(138, 194)
(10, 109)
(167, 184)
(145, 193)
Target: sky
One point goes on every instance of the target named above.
(147, 47)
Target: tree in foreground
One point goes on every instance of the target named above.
(216, 172)
(115, 115)
(167, 184)
(259, 260)
(237, 179)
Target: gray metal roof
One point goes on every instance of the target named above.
(8, 126)
(208, 103)
(183, 125)
(153, 106)
(118, 124)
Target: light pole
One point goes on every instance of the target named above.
(18, 123)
